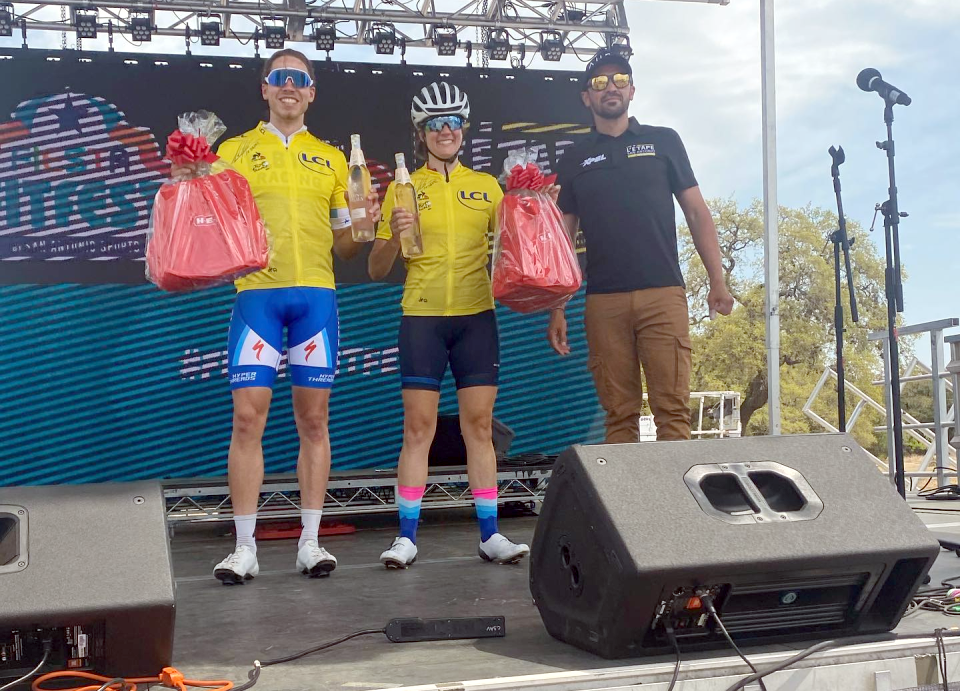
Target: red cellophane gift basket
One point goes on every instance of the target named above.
(535, 265)
(205, 228)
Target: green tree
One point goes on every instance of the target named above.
(730, 352)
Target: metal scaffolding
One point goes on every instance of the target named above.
(582, 26)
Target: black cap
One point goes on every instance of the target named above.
(606, 56)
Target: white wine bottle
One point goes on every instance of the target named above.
(358, 188)
(405, 197)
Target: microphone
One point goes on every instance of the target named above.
(870, 80)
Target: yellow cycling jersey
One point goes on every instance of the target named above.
(299, 188)
(450, 278)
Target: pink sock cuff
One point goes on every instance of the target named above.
(411, 493)
(488, 493)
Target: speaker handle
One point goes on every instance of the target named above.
(806, 505)
(14, 530)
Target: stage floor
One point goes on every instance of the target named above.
(221, 629)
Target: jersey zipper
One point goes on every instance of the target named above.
(295, 216)
(452, 248)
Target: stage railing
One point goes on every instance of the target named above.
(362, 492)
(934, 436)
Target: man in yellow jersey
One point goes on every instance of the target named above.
(299, 184)
(448, 317)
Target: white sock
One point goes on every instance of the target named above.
(310, 520)
(245, 526)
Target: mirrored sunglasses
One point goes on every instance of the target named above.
(280, 76)
(454, 122)
(600, 82)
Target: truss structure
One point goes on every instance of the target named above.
(349, 493)
(583, 26)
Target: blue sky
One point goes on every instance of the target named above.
(697, 69)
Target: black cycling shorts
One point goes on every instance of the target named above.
(470, 344)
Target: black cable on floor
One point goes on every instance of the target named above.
(322, 646)
(676, 647)
(942, 659)
(708, 603)
(253, 675)
(826, 645)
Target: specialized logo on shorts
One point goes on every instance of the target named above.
(634, 150)
(317, 164)
(254, 350)
(314, 352)
(587, 162)
(476, 201)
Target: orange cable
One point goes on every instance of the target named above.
(169, 677)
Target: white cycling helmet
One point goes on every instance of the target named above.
(437, 99)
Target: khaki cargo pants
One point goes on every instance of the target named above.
(645, 328)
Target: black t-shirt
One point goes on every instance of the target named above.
(622, 189)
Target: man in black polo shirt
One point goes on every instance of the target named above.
(618, 185)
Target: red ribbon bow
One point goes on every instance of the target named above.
(528, 178)
(185, 148)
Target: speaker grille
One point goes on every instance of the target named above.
(817, 601)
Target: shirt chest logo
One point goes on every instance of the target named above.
(317, 164)
(587, 162)
(259, 161)
(423, 201)
(634, 150)
(474, 200)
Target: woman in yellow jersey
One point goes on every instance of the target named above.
(448, 317)
(299, 184)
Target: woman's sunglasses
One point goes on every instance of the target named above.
(280, 76)
(600, 82)
(454, 122)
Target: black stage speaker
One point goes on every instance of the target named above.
(448, 448)
(88, 568)
(792, 537)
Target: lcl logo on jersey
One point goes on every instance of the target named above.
(477, 201)
(317, 164)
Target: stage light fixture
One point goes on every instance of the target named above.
(325, 36)
(620, 44)
(211, 29)
(141, 26)
(445, 40)
(85, 22)
(6, 19)
(384, 38)
(551, 46)
(274, 32)
(498, 44)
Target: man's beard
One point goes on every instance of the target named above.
(612, 110)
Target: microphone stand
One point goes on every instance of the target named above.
(841, 241)
(894, 293)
